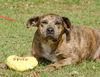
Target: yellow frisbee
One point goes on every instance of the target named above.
(21, 63)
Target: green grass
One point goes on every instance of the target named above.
(16, 39)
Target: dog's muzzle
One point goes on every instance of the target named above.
(50, 31)
(50, 34)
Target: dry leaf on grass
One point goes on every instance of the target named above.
(74, 73)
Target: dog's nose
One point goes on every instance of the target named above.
(50, 30)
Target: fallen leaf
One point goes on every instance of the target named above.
(74, 73)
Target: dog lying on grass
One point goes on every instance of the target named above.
(57, 40)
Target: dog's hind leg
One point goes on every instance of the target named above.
(96, 56)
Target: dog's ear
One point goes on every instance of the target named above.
(33, 22)
(67, 25)
(67, 22)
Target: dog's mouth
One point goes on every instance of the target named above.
(51, 37)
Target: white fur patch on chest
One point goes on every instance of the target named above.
(46, 49)
(47, 53)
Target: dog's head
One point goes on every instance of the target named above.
(50, 26)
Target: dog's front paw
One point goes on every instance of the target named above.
(50, 68)
(3, 65)
(36, 72)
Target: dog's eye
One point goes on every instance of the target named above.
(57, 23)
(44, 22)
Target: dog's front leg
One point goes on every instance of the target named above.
(61, 63)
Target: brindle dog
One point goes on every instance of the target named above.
(61, 43)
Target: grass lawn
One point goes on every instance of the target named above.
(16, 39)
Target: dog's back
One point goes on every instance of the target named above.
(88, 42)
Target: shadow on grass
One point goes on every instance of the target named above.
(44, 62)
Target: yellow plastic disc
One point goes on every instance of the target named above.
(21, 63)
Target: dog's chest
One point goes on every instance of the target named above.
(46, 49)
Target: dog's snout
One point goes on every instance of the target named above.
(50, 30)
